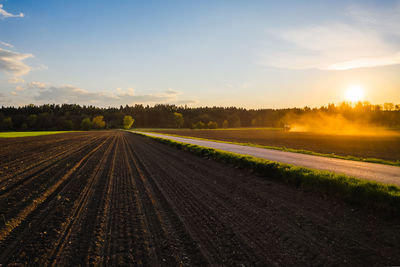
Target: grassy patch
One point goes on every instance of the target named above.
(354, 190)
(26, 134)
(302, 151)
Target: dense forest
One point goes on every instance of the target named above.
(74, 117)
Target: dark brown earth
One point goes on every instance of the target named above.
(365, 146)
(115, 198)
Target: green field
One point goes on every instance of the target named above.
(25, 134)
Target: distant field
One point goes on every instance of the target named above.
(385, 147)
(25, 134)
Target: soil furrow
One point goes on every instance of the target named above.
(12, 201)
(70, 240)
(41, 211)
(113, 198)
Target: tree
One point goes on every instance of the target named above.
(7, 124)
(388, 106)
(68, 125)
(178, 118)
(212, 125)
(86, 124)
(234, 120)
(32, 119)
(98, 122)
(225, 124)
(128, 122)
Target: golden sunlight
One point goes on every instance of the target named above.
(354, 93)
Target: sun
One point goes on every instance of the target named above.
(354, 93)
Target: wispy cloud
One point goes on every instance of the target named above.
(6, 44)
(4, 14)
(365, 41)
(12, 62)
(366, 62)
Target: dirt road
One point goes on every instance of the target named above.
(366, 170)
(115, 198)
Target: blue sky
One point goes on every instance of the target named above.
(254, 54)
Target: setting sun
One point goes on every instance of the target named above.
(354, 93)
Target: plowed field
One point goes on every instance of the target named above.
(365, 146)
(115, 198)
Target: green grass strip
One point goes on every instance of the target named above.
(302, 151)
(26, 134)
(351, 189)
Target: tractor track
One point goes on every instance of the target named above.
(114, 198)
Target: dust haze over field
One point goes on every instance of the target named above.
(335, 124)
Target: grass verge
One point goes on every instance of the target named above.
(353, 190)
(302, 151)
(26, 134)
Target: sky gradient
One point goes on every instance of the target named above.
(252, 54)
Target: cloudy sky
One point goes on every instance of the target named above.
(253, 54)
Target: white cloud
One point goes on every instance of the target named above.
(16, 80)
(40, 67)
(72, 94)
(12, 62)
(127, 92)
(6, 44)
(19, 88)
(38, 85)
(172, 92)
(363, 42)
(4, 14)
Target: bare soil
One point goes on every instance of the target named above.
(365, 146)
(115, 198)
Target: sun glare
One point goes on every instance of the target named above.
(354, 93)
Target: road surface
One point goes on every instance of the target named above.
(370, 171)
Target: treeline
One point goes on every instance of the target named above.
(76, 117)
